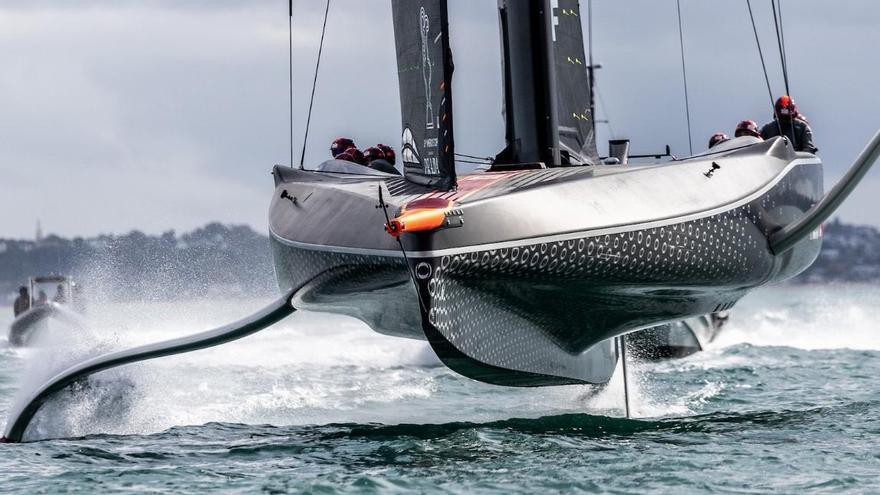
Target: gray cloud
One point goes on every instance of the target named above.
(165, 114)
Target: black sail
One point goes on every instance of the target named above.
(546, 85)
(575, 120)
(424, 66)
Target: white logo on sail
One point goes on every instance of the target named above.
(425, 27)
(409, 152)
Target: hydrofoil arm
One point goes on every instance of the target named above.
(23, 412)
(786, 238)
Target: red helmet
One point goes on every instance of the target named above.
(747, 128)
(356, 155)
(345, 155)
(388, 151)
(717, 138)
(340, 145)
(785, 108)
(373, 153)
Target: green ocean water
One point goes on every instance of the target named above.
(786, 401)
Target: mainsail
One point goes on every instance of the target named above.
(575, 120)
(547, 89)
(424, 65)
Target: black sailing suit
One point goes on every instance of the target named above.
(22, 304)
(796, 130)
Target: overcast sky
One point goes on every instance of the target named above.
(157, 115)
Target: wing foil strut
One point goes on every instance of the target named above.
(22, 414)
(785, 239)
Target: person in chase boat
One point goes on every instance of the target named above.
(790, 124)
(22, 302)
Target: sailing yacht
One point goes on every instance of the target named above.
(524, 273)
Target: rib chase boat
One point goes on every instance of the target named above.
(523, 274)
(35, 321)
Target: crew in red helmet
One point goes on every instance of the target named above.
(718, 138)
(389, 153)
(747, 128)
(373, 153)
(339, 146)
(377, 159)
(345, 155)
(356, 155)
(787, 122)
(785, 107)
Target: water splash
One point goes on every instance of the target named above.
(806, 318)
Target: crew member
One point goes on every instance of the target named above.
(373, 153)
(42, 298)
(388, 151)
(376, 159)
(339, 146)
(22, 302)
(718, 138)
(747, 128)
(60, 297)
(352, 154)
(789, 123)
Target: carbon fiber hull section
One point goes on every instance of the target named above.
(549, 265)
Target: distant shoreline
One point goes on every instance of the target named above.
(220, 260)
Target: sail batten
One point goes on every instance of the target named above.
(424, 65)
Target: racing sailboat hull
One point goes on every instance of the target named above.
(534, 271)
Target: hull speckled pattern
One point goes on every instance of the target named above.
(539, 308)
(501, 305)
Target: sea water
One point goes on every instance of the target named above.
(785, 401)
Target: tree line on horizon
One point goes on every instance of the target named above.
(212, 261)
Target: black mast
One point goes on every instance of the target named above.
(529, 82)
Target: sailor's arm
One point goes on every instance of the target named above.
(806, 139)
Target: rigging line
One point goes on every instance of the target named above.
(687, 104)
(290, 70)
(777, 23)
(473, 161)
(763, 66)
(784, 52)
(302, 157)
(605, 112)
(591, 66)
(486, 158)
